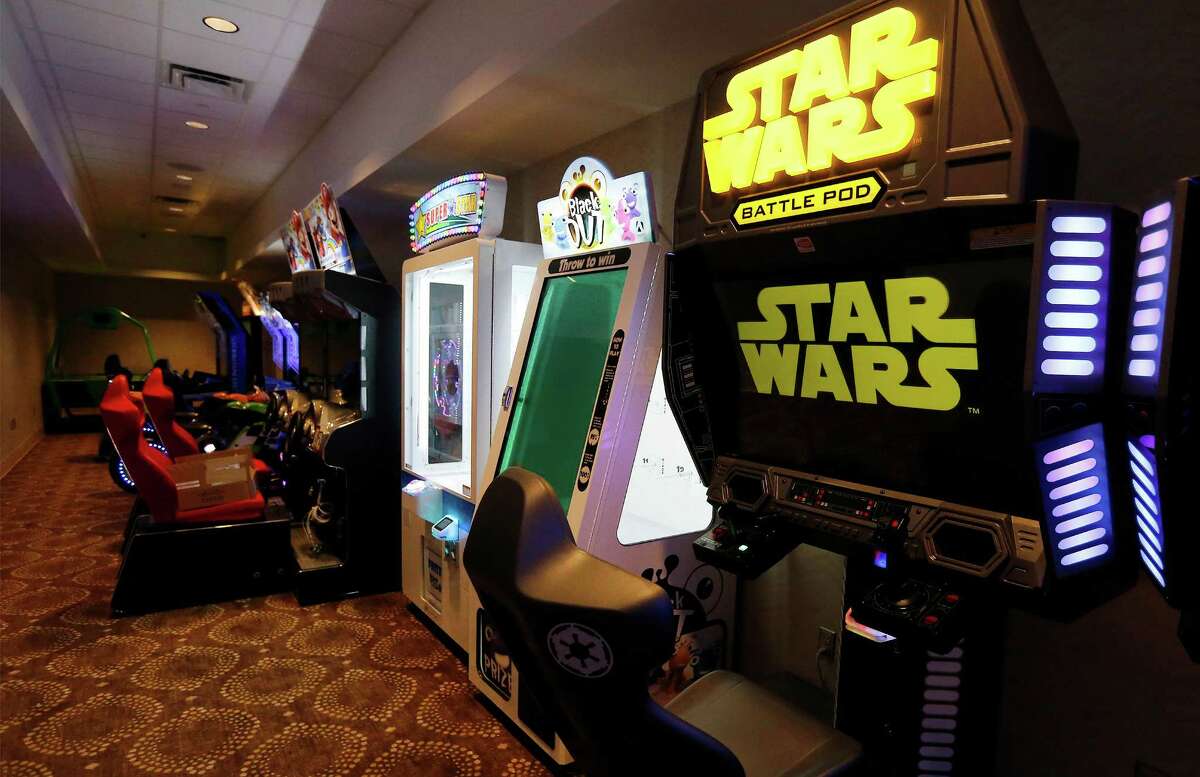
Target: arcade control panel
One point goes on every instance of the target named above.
(764, 512)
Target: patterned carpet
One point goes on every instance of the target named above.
(254, 688)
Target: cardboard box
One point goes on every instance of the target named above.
(208, 479)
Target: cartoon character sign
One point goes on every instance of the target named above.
(295, 242)
(594, 211)
(699, 639)
(324, 223)
(626, 212)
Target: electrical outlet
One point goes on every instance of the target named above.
(826, 641)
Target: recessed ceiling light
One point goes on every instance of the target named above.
(169, 229)
(183, 177)
(196, 124)
(220, 24)
(174, 209)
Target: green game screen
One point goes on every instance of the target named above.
(560, 377)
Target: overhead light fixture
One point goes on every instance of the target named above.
(196, 124)
(174, 209)
(220, 24)
(169, 229)
(183, 177)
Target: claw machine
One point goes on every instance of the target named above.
(464, 299)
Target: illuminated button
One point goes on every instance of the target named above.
(929, 620)
(951, 598)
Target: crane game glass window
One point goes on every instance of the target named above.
(564, 362)
(894, 357)
(438, 373)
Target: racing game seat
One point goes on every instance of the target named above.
(585, 635)
(160, 404)
(151, 473)
(177, 558)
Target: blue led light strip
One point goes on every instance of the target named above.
(939, 711)
(1147, 507)
(1074, 300)
(1073, 475)
(1148, 307)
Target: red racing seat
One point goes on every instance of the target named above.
(151, 473)
(160, 404)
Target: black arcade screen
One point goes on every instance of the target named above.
(889, 361)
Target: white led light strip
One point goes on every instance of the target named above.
(1147, 508)
(939, 713)
(1149, 297)
(1068, 354)
(1075, 491)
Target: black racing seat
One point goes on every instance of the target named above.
(585, 635)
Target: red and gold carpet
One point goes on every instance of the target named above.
(253, 688)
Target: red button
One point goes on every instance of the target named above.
(895, 524)
(929, 620)
(719, 533)
(951, 598)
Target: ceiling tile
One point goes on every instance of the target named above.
(46, 73)
(21, 9)
(140, 10)
(282, 8)
(102, 106)
(73, 21)
(115, 154)
(177, 100)
(33, 40)
(279, 71)
(216, 57)
(371, 20)
(323, 81)
(106, 86)
(119, 173)
(331, 50)
(109, 126)
(257, 31)
(308, 11)
(294, 41)
(100, 59)
(100, 140)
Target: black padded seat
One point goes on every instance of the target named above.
(585, 635)
(770, 737)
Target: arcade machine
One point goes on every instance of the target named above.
(881, 342)
(230, 338)
(585, 408)
(268, 328)
(1159, 385)
(345, 543)
(464, 300)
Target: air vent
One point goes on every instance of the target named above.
(205, 83)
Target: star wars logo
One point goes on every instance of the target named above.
(876, 369)
(804, 108)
